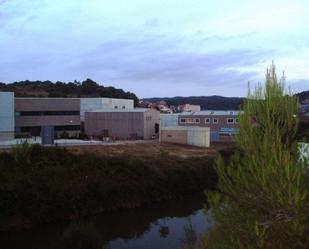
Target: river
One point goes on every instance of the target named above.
(168, 225)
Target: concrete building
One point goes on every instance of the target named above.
(139, 123)
(31, 114)
(7, 117)
(90, 104)
(197, 136)
(223, 124)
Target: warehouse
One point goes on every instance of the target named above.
(7, 117)
(223, 124)
(197, 136)
(139, 123)
(63, 114)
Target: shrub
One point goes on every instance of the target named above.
(262, 200)
(81, 236)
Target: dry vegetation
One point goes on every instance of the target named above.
(149, 150)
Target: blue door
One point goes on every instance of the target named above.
(214, 136)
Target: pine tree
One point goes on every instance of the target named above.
(262, 201)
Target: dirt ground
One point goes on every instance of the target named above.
(149, 150)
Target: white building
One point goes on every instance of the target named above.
(189, 108)
(7, 116)
(91, 104)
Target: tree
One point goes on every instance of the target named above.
(262, 199)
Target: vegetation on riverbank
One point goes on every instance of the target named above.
(45, 184)
(263, 199)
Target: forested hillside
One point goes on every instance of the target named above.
(87, 88)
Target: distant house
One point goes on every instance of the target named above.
(189, 108)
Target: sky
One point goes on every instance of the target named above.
(156, 48)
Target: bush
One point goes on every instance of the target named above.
(44, 184)
(81, 236)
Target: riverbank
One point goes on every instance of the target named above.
(46, 184)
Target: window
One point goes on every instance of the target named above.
(207, 120)
(183, 120)
(190, 120)
(48, 113)
(197, 120)
(123, 107)
(215, 121)
(230, 120)
(116, 107)
(236, 120)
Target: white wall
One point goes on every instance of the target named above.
(198, 136)
(91, 104)
(7, 115)
(168, 120)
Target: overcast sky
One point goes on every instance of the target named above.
(156, 47)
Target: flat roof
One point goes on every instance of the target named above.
(213, 113)
(121, 110)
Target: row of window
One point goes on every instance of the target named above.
(116, 107)
(48, 113)
(57, 128)
(207, 120)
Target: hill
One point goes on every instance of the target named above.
(303, 96)
(206, 102)
(213, 102)
(87, 88)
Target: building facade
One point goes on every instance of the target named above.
(7, 116)
(31, 114)
(139, 123)
(90, 104)
(223, 124)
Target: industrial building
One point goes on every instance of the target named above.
(30, 116)
(197, 136)
(89, 104)
(223, 124)
(7, 117)
(139, 123)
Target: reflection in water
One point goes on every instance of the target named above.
(190, 237)
(167, 225)
(164, 231)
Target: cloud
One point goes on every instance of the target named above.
(162, 60)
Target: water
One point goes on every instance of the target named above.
(166, 225)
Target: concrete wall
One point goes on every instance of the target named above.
(7, 116)
(151, 118)
(92, 104)
(123, 125)
(196, 136)
(173, 136)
